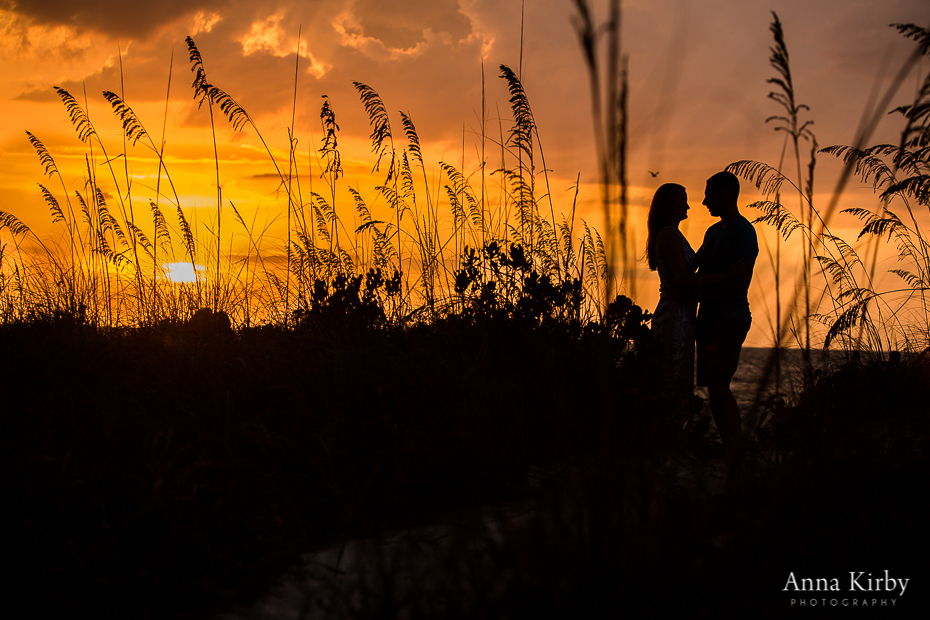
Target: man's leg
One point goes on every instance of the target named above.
(726, 415)
(719, 343)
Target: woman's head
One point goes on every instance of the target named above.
(669, 206)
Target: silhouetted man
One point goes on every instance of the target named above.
(723, 318)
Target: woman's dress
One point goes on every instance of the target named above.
(674, 316)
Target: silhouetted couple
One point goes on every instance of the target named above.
(703, 296)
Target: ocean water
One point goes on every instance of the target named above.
(751, 373)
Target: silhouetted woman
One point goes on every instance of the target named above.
(669, 253)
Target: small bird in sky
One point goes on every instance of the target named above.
(654, 174)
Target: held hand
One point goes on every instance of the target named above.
(738, 268)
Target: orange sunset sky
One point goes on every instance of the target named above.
(698, 93)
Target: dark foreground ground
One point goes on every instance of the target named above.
(181, 469)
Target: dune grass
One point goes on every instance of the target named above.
(181, 467)
(111, 264)
(854, 311)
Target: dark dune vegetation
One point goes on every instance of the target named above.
(170, 450)
(172, 467)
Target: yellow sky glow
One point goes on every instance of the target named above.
(698, 101)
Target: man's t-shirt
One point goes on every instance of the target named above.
(722, 246)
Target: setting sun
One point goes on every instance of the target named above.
(180, 272)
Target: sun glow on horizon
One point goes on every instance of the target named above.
(180, 272)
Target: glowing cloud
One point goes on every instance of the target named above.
(268, 36)
(18, 36)
(204, 22)
(265, 36)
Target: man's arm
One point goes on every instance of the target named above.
(739, 277)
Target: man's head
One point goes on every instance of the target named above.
(721, 193)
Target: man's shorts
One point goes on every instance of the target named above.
(719, 340)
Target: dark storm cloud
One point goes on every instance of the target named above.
(113, 17)
(148, 75)
(37, 94)
(400, 25)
